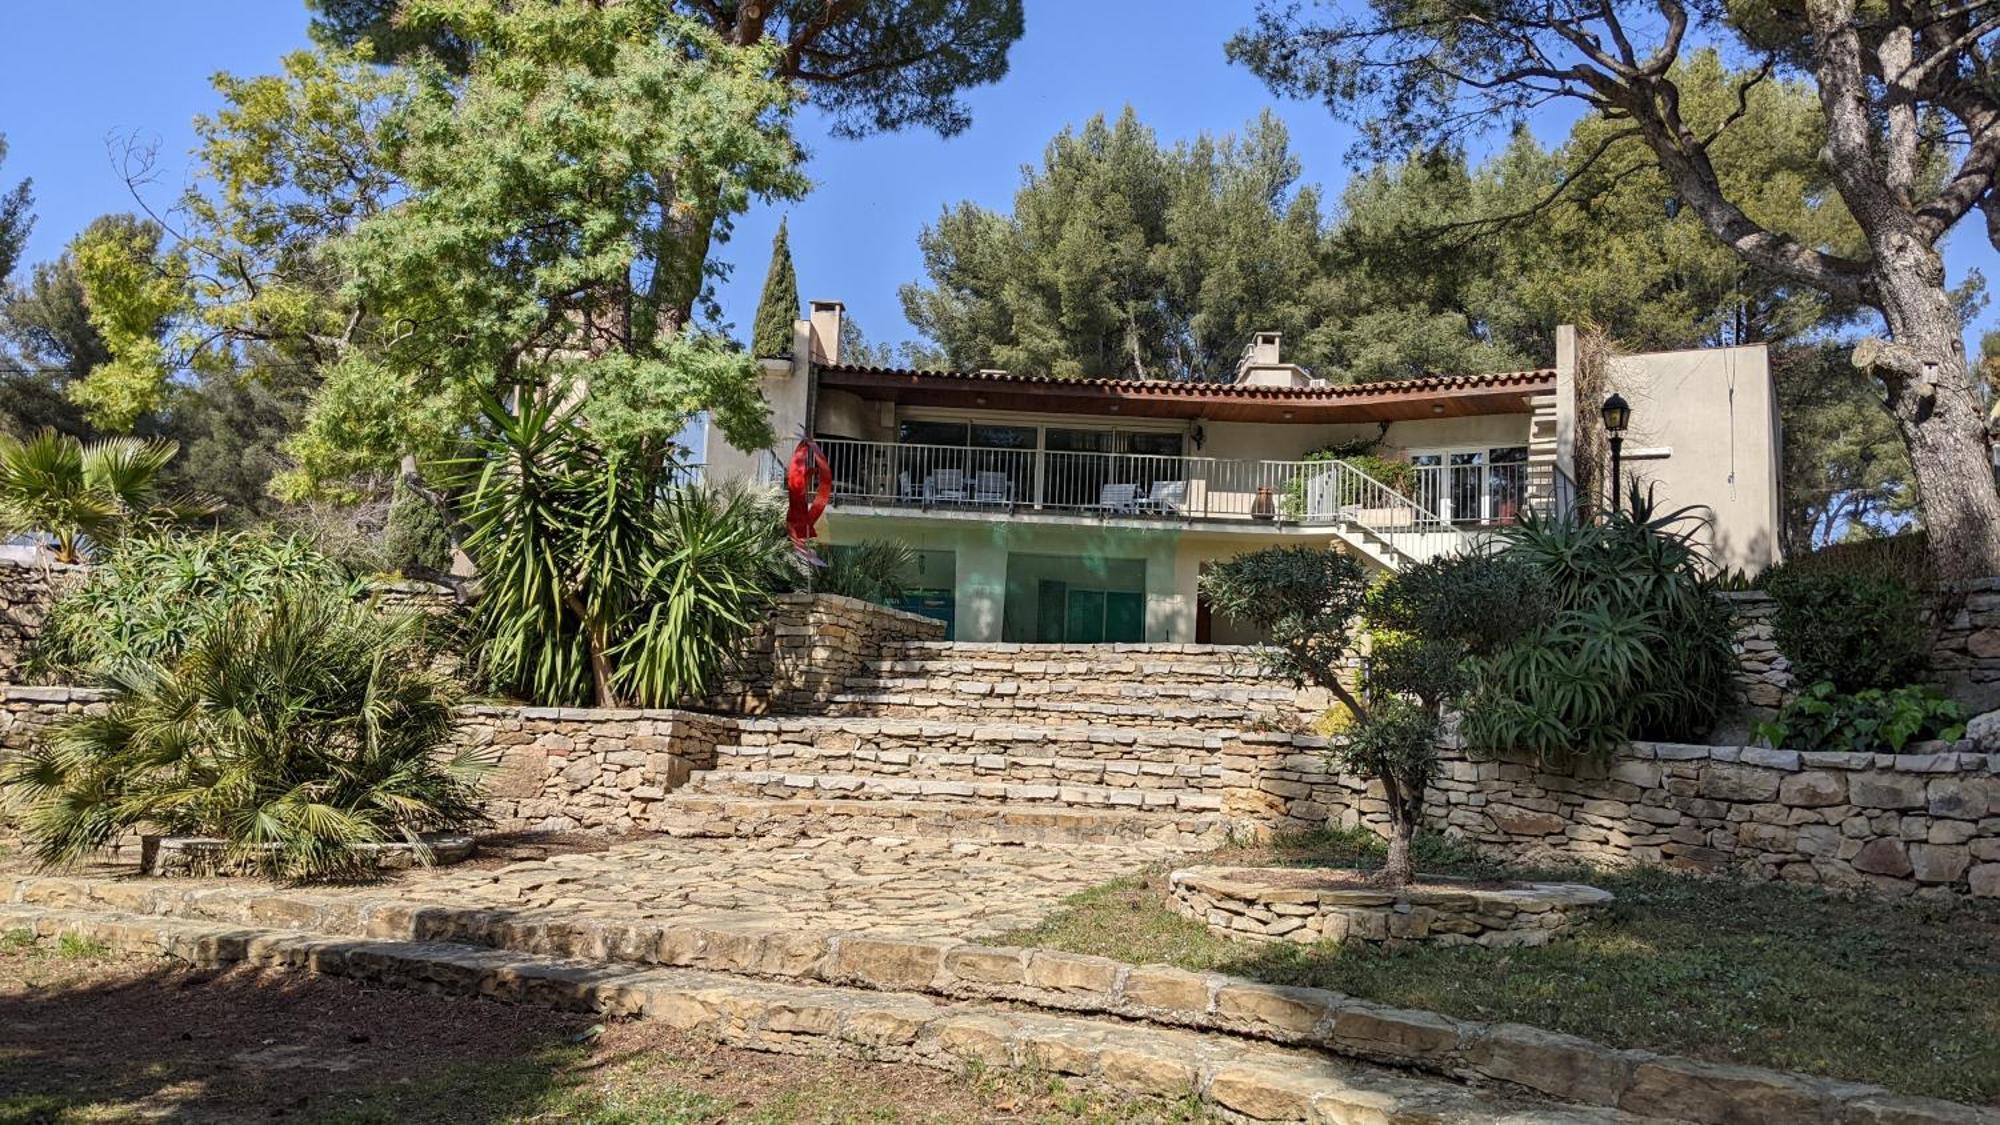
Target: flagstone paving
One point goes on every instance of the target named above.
(909, 886)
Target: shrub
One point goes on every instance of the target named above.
(1855, 629)
(294, 730)
(871, 571)
(148, 599)
(1638, 644)
(1824, 718)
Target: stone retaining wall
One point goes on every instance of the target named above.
(1920, 822)
(560, 769)
(1924, 822)
(27, 590)
(1306, 906)
(1965, 656)
(809, 649)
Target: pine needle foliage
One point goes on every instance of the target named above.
(295, 730)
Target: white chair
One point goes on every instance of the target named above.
(1119, 499)
(1168, 497)
(992, 488)
(945, 484)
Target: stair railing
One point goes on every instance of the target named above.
(1338, 492)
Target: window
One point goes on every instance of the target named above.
(914, 432)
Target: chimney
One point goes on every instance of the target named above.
(826, 317)
(1261, 367)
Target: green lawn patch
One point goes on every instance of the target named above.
(1905, 994)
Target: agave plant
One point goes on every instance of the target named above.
(294, 731)
(88, 495)
(602, 579)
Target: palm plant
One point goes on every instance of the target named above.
(602, 580)
(293, 731)
(88, 495)
(871, 571)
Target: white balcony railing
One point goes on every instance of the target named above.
(1142, 486)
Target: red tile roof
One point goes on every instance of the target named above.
(1530, 380)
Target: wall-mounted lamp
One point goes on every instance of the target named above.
(1199, 436)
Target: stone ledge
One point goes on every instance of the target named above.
(1166, 997)
(1307, 905)
(193, 857)
(1242, 1081)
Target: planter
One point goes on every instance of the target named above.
(197, 856)
(1308, 905)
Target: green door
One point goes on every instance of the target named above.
(1084, 624)
(1124, 617)
(1050, 599)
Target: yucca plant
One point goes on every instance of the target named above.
(602, 580)
(87, 496)
(292, 730)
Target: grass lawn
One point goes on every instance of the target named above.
(1905, 994)
(88, 1038)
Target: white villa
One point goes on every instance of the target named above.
(1079, 511)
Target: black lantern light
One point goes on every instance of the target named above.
(1617, 414)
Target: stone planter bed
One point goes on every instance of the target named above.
(197, 856)
(1306, 905)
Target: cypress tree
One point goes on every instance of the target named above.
(778, 309)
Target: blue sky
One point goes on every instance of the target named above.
(74, 75)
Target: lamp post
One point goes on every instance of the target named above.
(1617, 414)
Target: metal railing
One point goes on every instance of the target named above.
(1420, 522)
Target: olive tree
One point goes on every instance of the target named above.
(1394, 653)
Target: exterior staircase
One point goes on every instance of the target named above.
(1138, 745)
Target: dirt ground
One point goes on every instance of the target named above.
(85, 1037)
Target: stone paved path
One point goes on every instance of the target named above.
(912, 886)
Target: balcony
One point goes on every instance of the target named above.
(1445, 505)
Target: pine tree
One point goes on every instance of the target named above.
(778, 309)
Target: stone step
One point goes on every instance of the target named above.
(1106, 686)
(1249, 1080)
(695, 813)
(857, 786)
(1213, 716)
(1146, 770)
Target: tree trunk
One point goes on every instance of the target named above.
(1398, 870)
(1929, 391)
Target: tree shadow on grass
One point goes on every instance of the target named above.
(109, 1040)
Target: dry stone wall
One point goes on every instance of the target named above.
(1965, 656)
(1926, 822)
(27, 590)
(809, 649)
(587, 769)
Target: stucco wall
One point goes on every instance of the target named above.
(1713, 414)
